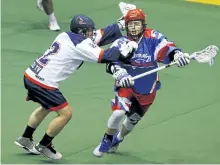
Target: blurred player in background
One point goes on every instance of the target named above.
(47, 7)
(133, 99)
(65, 56)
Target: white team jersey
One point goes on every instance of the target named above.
(64, 57)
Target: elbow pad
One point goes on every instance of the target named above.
(111, 68)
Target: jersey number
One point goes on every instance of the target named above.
(41, 62)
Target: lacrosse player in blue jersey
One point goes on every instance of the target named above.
(133, 99)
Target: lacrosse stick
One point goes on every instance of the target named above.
(204, 56)
(125, 7)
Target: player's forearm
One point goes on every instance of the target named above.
(171, 55)
(111, 55)
(108, 34)
(167, 56)
(115, 54)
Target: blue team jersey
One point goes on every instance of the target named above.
(153, 48)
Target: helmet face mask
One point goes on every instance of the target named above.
(87, 32)
(83, 25)
(135, 28)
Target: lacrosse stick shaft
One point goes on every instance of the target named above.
(157, 69)
(153, 71)
(206, 56)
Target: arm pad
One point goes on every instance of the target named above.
(111, 68)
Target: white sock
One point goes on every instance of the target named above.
(39, 2)
(52, 18)
(119, 136)
(115, 118)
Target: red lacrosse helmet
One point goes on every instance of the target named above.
(135, 14)
(137, 31)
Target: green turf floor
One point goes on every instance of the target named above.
(183, 126)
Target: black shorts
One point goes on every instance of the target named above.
(51, 99)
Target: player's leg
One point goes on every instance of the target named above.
(58, 123)
(112, 127)
(133, 116)
(37, 117)
(140, 105)
(26, 140)
(50, 100)
(53, 100)
(114, 122)
(48, 8)
(39, 5)
(121, 104)
(54, 128)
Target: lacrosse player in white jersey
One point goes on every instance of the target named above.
(65, 56)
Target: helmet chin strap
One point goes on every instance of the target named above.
(140, 39)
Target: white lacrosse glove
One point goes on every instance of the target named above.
(128, 49)
(181, 58)
(123, 79)
(126, 82)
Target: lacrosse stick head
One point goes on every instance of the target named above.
(125, 7)
(207, 55)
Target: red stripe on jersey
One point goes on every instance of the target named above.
(148, 33)
(38, 83)
(100, 55)
(162, 53)
(102, 33)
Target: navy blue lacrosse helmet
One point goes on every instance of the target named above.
(83, 25)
